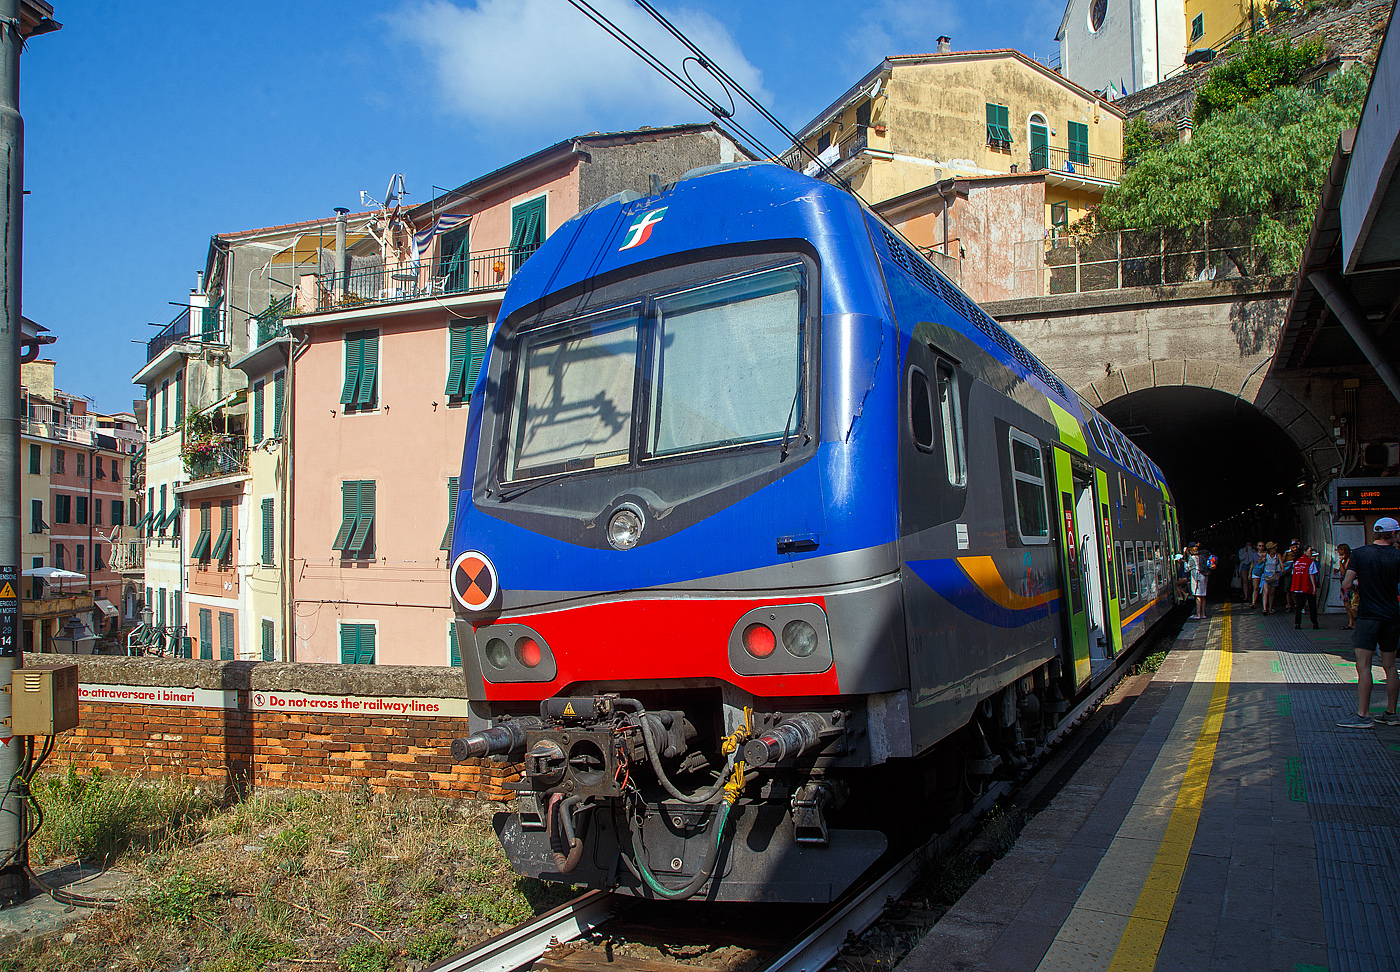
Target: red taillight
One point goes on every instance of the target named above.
(527, 650)
(759, 640)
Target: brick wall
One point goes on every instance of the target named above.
(245, 746)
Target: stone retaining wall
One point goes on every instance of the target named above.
(253, 724)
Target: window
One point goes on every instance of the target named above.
(1097, 11)
(269, 527)
(206, 633)
(82, 464)
(82, 516)
(116, 469)
(1198, 27)
(1122, 572)
(62, 508)
(160, 608)
(178, 605)
(823, 142)
(998, 126)
(79, 551)
(356, 644)
(58, 558)
(454, 257)
(131, 511)
(179, 399)
(950, 409)
(97, 512)
(58, 456)
(36, 517)
(35, 458)
(158, 523)
(526, 230)
(279, 397)
(165, 406)
(209, 321)
(257, 411)
(150, 520)
(1144, 570)
(920, 410)
(1028, 478)
(199, 553)
(355, 538)
(454, 653)
(269, 640)
(1040, 142)
(1078, 142)
(1130, 556)
(451, 512)
(97, 470)
(117, 511)
(361, 369)
(97, 557)
(223, 547)
(466, 346)
(225, 636)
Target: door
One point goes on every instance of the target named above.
(1091, 563)
(1075, 610)
(1111, 570)
(1040, 147)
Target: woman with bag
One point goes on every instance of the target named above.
(1273, 570)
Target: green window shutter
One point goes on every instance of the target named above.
(1078, 142)
(165, 406)
(206, 633)
(179, 609)
(454, 651)
(179, 397)
(268, 526)
(257, 412)
(200, 551)
(349, 512)
(279, 398)
(1004, 121)
(225, 636)
(158, 523)
(118, 513)
(369, 354)
(366, 644)
(223, 548)
(360, 543)
(34, 453)
(477, 353)
(160, 608)
(456, 360)
(352, 368)
(451, 512)
(209, 323)
(349, 644)
(178, 504)
(269, 641)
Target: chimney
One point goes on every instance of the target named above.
(199, 281)
(1183, 130)
(945, 44)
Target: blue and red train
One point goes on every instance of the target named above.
(774, 541)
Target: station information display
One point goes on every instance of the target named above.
(1377, 498)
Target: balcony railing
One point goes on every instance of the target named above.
(271, 323)
(388, 283)
(222, 455)
(854, 143)
(177, 330)
(166, 640)
(1076, 163)
(76, 432)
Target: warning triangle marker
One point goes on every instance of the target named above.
(7, 592)
(568, 706)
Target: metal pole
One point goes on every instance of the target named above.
(1337, 294)
(341, 278)
(14, 883)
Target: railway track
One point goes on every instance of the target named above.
(532, 943)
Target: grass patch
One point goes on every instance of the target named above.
(352, 881)
(1150, 664)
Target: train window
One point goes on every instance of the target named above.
(727, 363)
(1028, 471)
(950, 407)
(1122, 572)
(920, 410)
(575, 395)
(1098, 436)
(1144, 571)
(1131, 558)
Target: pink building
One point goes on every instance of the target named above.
(388, 345)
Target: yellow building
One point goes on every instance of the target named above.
(919, 119)
(1212, 24)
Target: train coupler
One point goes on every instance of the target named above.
(809, 806)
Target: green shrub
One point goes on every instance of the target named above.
(366, 957)
(1257, 67)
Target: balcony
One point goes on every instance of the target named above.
(1076, 163)
(56, 606)
(854, 143)
(394, 282)
(271, 323)
(71, 431)
(162, 640)
(216, 455)
(128, 556)
(174, 332)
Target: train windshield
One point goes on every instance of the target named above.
(722, 363)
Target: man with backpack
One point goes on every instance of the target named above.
(1375, 569)
(1303, 587)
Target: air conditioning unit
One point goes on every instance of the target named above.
(1377, 455)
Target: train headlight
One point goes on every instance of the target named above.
(498, 653)
(527, 652)
(759, 640)
(800, 638)
(625, 527)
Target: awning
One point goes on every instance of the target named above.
(106, 607)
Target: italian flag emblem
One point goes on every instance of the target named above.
(640, 230)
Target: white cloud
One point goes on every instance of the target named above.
(543, 63)
(900, 27)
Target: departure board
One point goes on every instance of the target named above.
(1368, 499)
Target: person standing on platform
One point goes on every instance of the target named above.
(1200, 579)
(1244, 567)
(1375, 570)
(1303, 584)
(1256, 575)
(1272, 568)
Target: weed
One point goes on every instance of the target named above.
(292, 842)
(1000, 828)
(948, 878)
(1150, 664)
(432, 945)
(366, 957)
(178, 896)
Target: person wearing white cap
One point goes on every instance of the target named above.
(1375, 571)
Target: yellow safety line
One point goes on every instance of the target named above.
(1142, 939)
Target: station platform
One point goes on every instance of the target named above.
(1224, 822)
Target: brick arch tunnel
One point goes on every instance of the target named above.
(1245, 457)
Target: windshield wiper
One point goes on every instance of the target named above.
(510, 492)
(787, 429)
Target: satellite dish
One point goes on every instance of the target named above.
(393, 195)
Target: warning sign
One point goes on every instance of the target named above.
(9, 611)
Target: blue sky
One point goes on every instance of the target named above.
(149, 127)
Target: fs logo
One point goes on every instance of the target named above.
(640, 230)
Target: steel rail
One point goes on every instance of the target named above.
(518, 947)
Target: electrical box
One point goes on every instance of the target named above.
(43, 700)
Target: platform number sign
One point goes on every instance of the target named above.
(9, 611)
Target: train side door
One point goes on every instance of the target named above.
(1110, 588)
(1075, 606)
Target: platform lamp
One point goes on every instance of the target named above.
(74, 638)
